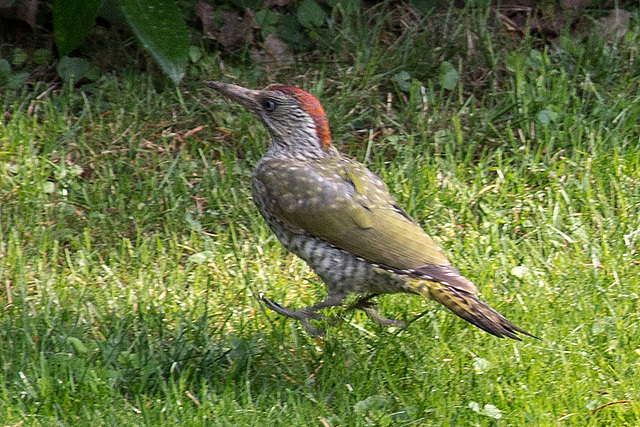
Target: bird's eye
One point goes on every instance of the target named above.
(269, 105)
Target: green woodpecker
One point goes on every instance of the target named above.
(340, 218)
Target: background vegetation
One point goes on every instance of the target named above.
(131, 253)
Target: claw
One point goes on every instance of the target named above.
(302, 316)
(365, 304)
(374, 315)
(298, 315)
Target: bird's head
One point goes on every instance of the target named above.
(294, 118)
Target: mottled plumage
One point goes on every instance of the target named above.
(341, 219)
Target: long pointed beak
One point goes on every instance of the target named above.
(247, 97)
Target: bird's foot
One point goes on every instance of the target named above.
(294, 314)
(374, 315)
(302, 316)
(365, 304)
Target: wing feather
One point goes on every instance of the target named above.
(349, 207)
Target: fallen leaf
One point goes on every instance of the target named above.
(278, 3)
(204, 12)
(576, 4)
(234, 33)
(273, 50)
(615, 25)
(25, 10)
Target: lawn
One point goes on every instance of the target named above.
(132, 256)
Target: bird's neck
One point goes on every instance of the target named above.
(304, 149)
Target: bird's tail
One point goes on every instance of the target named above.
(469, 307)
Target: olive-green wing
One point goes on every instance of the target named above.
(349, 207)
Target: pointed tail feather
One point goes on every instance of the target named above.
(471, 309)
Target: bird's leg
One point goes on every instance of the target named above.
(365, 304)
(306, 313)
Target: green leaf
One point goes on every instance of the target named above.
(592, 404)
(515, 62)
(159, 26)
(491, 411)
(17, 80)
(11, 79)
(311, 14)
(266, 20)
(5, 68)
(488, 410)
(403, 79)
(448, 76)
(41, 56)
(521, 271)
(78, 345)
(74, 69)
(195, 54)
(201, 257)
(545, 116)
(73, 20)
(290, 31)
(423, 6)
(536, 59)
(19, 56)
(371, 403)
(348, 7)
(48, 187)
(480, 365)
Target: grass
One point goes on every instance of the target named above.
(131, 253)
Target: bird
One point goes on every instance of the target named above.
(341, 219)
